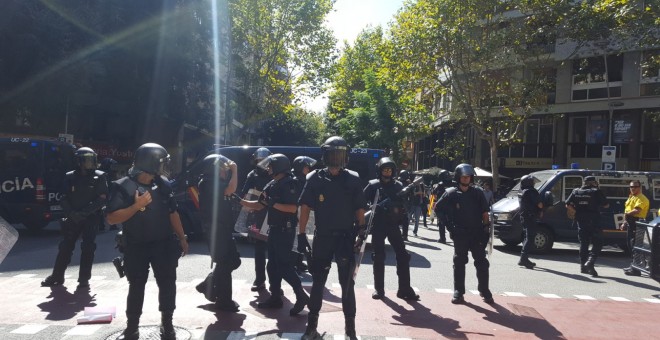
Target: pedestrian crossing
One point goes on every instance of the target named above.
(102, 279)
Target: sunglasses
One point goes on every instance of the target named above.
(634, 186)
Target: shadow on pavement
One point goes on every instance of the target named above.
(66, 305)
(422, 317)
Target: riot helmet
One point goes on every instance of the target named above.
(108, 165)
(527, 182)
(404, 176)
(86, 158)
(464, 169)
(150, 158)
(259, 155)
(335, 152)
(213, 163)
(277, 163)
(591, 181)
(299, 164)
(383, 163)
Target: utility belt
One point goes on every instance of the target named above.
(333, 232)
(281, 227)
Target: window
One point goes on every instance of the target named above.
(570, 183)
(590, 81)
(650, 77)
(651, 136)
(588, 135)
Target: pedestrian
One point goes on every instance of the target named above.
(302, 165)
(387, 218)
(144, 203)
(255, 181)
(416, 204)
(531, 211)
(438, 191)
(335, 195)
(587, 202)
(279, 197)
(217, 184)
(83, 196)
(635, 208)
(488, 193)
(466, 215)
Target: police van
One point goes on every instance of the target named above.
(32, 172)
(555, 186)
(361, 160)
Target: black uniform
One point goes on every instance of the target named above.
(587, 201)
(388, 217)
(83, 197)
(218, 285)
(334, 199)
(438, 191)
(257, 179)
(149, 242)
(281, 235)
(530, 212)
(463, 214)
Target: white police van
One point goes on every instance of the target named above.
(32, 172)
(555, 186)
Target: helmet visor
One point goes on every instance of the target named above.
(87, 161)
(265, 164)
(336, 157)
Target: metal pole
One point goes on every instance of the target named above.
(609, 103)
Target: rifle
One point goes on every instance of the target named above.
(370, 223)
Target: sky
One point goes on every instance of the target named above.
(348, 18)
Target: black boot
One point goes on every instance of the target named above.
(589, 267)
(167, 331)
(52, 281)
(378, 294)
(525, 262)
(350, 328)
(301, 301)
(132, 331)
(274, 301)
(407, 294)
(310, 332)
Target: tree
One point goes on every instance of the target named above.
(296, 128)
(361, 107)
(281, 51)
(487, 63)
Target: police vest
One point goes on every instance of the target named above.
(585, 200)
(391, 208)
(284, 191)
(83, 189)
(151, 224)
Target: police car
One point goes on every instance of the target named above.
(555, 186)
(31, 173)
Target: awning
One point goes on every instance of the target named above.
(485, 173)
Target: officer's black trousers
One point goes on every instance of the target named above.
(441, 225)
(380, 232)
(630, 233)
(476, 244)
(280, 266)
(589, 233)
(260, 248)
(325, 247)
(71, 232)
(163, 257)
(529, 229)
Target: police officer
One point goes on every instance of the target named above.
(335, 195)
(302, 165)
(635, 208)
(531, 210)
(256, 181)
(109, 167)
(279, 197)
(386, 224)
(217, 184)
(587, 201)
(438, 191)
(83, 196)
(466, 214)
(404, 178)
(143, 202)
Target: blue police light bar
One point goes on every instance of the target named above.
(33, 144)
(376, 155)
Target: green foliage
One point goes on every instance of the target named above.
(282, 51)
(297, 128)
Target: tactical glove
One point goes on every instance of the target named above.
(303, 244)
